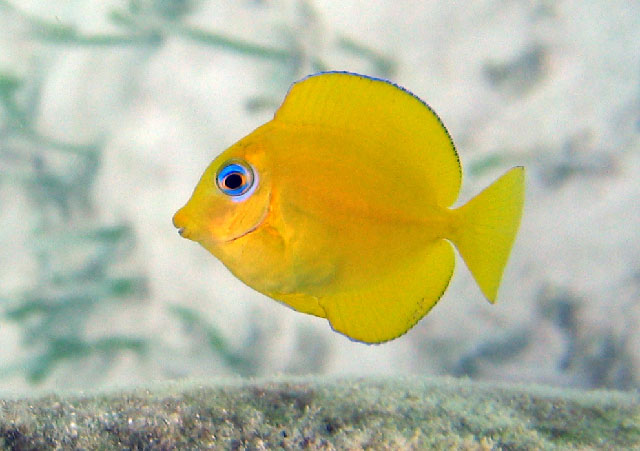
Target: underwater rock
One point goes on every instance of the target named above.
(334, 413)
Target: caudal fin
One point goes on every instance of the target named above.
(487, 227)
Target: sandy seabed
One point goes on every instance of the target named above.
(334, 413)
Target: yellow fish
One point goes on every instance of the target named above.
(339, 207)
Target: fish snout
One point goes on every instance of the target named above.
(180, 222)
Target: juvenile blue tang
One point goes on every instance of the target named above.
(340, 207)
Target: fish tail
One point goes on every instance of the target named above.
(486, 227)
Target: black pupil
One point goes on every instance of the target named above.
(233, 181)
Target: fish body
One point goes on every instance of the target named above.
(340, 207)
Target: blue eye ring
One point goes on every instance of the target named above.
(236, 178)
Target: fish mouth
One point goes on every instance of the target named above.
(199, 232)
(178, 222)
(185, 233)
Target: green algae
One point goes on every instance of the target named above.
(312, 413)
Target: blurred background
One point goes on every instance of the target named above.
(111, 110)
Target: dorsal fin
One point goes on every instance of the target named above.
(410, 129)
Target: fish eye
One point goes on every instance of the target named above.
(235, 178)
